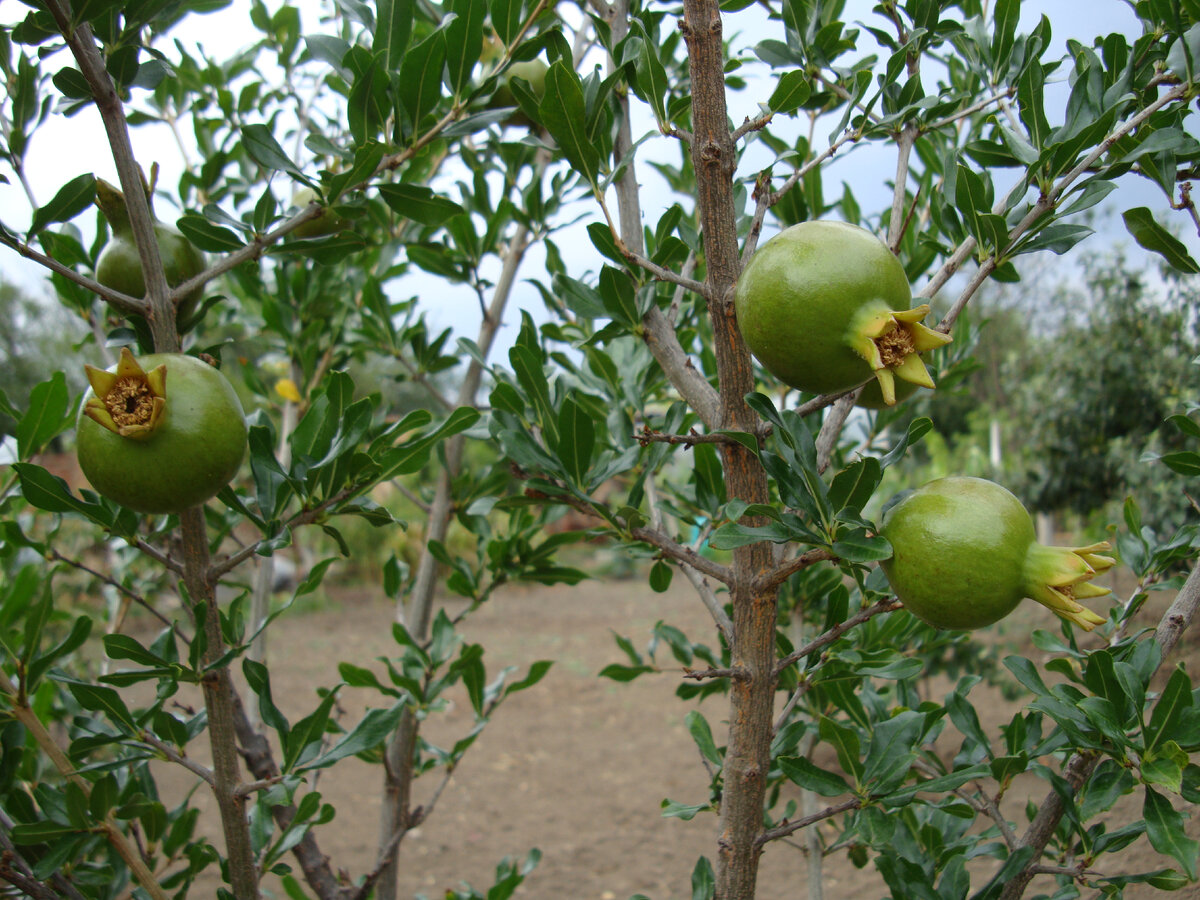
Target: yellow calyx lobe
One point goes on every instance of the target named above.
(891, 342)
(1058, 577)
(128, 401)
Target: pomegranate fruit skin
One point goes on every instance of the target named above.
(965, 554)
(825, 306)
(193, 452)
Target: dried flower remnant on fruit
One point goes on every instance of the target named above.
(891, 342)
(1066, 575)
(128, 401)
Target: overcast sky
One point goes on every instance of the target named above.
(64, 148)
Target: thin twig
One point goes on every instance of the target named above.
(790, 567)
(121, 302)
(648, 436)
(887, 604)
(735, 673)
(112, 582)
(176, 757)
(791, 827)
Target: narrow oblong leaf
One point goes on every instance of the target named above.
(421, 76)
(372, 730)
(576, 438)
(1165, 829)
(260, 143)
(45, 417)
(1175, 699)
(72, 198)
(563, 113)
(804, 773)
(1146, 230)
(419, 203)
(393, 27)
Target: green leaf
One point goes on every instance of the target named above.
(506, 18)
(208, 235)
(260, 143)
(1163, 771)
(537, 671)
(845, 742)
(564, 115)
(792, 91)
(890, 753)
(857, 546)
(72, 198)
(303, 741)
(938, 785)
(1174, 700)
(1165, 829)
(73, 640)
(704, 882)
(813, 778)
(102, 699)
(1005, 17)
(651, 83)
(1185, 462)
(672, 809)
(46, 416)
(660, 576)
(854, 486)
(917, 429)
(51, 493)
(393, 27)
(123, 646)
(258, 677)
(576, 439)
(702, 734)
(419, 203)
(464, 41)
(420, 78)
(621, 673)
(371, 731)
(1141, 224)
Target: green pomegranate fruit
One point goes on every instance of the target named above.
(964, 555)
(532, 71)
(825, 306)
(160, 434)
(325, 224)
(120, 267)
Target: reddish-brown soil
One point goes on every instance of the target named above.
(577, 766)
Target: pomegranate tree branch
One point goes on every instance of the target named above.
(160, 314)
(888, 604)
(755, 609)
(23, 713)
(137, 598)
(121, 302)
(791, 827)
(790, 567)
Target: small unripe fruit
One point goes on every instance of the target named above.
(825, 306)
(965, 553)
(160, 434)
(119, 265)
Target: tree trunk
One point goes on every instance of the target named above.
(752, 693)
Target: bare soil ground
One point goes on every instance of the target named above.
(577, 766)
